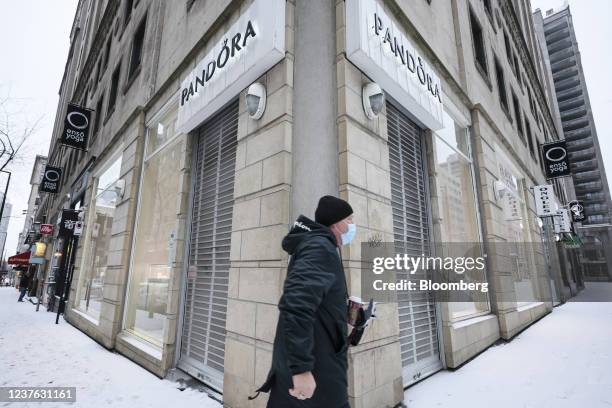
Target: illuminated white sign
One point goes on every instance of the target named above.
(379, 47)
(251, 46)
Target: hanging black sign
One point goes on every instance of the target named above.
(577, 211)
(51, 180)
(67, 222)
(555, 159)
(76, 127)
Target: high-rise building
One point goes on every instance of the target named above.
(588, 170)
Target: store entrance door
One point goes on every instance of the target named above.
(411, 227)
(203, 335)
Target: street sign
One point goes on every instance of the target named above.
(555, 159)
(50, 182)
(577, 210)
(562, 221)
(78, 228)
(66, 226)
(544, 200)
(46, 229)
(76, 127)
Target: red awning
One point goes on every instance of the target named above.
(20, 259)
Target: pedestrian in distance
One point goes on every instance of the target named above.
(24, 282)
(309, 360)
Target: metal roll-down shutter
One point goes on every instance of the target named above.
(203, 335)
(417, 313)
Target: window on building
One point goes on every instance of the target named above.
(456, 202)
(157, 226)
(98, 237)
(501, 85)
(128, 5)
(530, 99)
(107, 51)
(508, 48)
(529, 137)
(98, 114)
(137, 46)
(487, 7)
(517, 72)
(480, 52)
(517, 116)
(99, 69)
(112, 93)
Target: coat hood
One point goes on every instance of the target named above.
(304, 228)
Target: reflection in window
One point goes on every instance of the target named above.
(154, 250)
(105, 196)
(457, 217)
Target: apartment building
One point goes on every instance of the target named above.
(589, 174)
(215, 124)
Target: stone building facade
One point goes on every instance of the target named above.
(185, 196)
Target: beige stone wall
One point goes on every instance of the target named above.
(375, 373)
(260, 220)
(109, 324)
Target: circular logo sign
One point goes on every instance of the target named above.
(52, 175)
(77, 120)
(556, 154)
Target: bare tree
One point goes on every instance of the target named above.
(13, 135)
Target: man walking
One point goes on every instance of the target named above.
(309, 362)
(24, 282)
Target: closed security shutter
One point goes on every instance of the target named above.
(417, 314)
(203, 338)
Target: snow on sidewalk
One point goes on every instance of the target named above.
(562, 361)
(34, 351)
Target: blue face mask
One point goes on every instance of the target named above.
(348, 236)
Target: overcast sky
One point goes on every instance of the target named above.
(34, 40)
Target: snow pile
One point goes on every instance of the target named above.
(34, 351)
(562, 361)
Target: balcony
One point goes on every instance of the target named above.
(598, 197)
(575, 124)
(565, 73)
(567, 84)
(582, 166)
(594, 209)
(597, 219)
(561, 55)
(550, 29)
(579, 144)
(580, 155)
(568, 94)
(557, 36)
(577, 134)
(560, 44)
(566, 63)
(585, 176)
(593, 186)
(571, 103)
(574, 113)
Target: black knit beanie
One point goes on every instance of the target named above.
(332, 209)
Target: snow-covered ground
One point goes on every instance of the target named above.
(562, 361)
(34, 351)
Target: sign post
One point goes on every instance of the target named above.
(76, 127)
(555, 159)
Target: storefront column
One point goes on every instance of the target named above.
(375, 372)
(260, 220)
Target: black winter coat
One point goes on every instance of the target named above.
(311, 334)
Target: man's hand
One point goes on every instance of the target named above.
(303, 386)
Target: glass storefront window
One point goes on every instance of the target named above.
(156, 229)
(457, 215)
(105, 197)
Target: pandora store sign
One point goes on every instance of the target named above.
(252, 45)
(378, 46)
